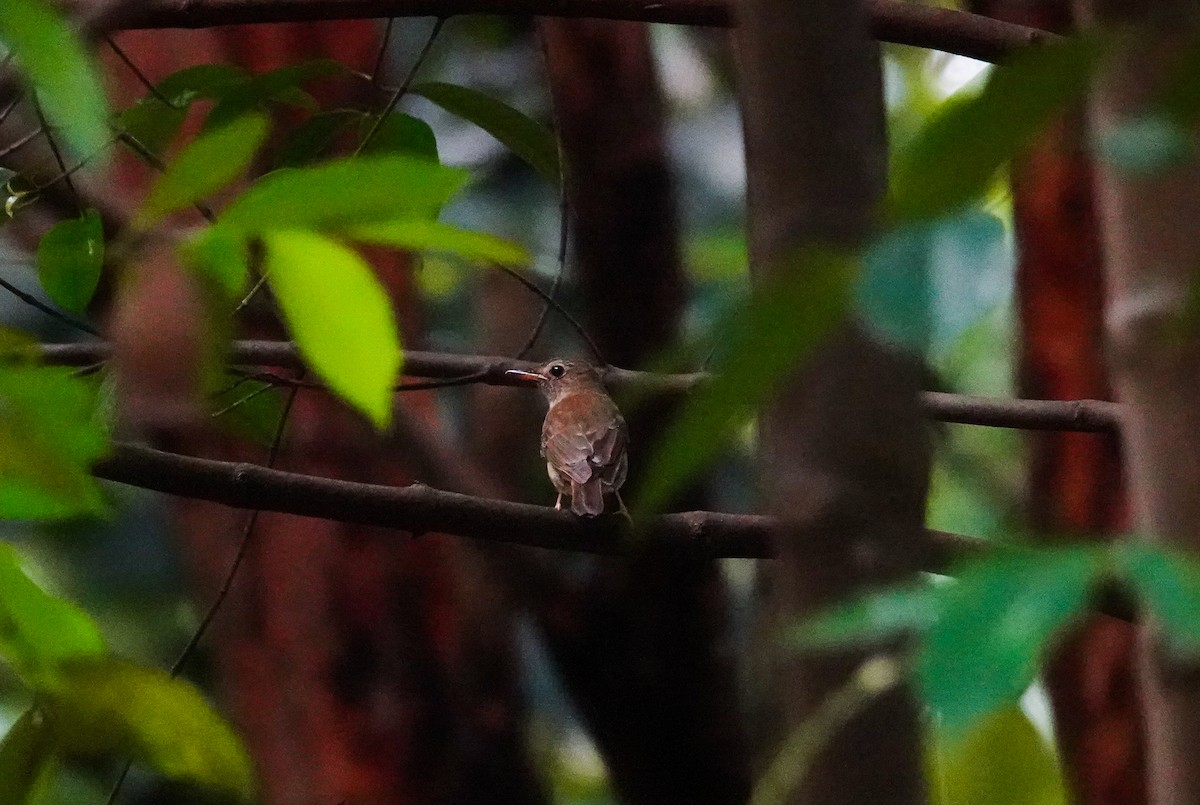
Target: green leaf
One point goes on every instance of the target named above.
(48, 442)
(524, 136)
(282, 85)
(1146, 146)
(221, 257)
(210, 162)
(55, 62)
(433, 236)
(27, 754)
(346, 192)
(1001, 760)
(874, 616)
(765, 341)
(995, 626)
(152, 123)
(340, 317)
(39, 632)
(402, 134)
(250, 411)
(314, 136)
(112, 707)
(954, 157)
(211, 81)
(69, 259)
(1168, 584)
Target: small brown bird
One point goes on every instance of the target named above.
(584, 437)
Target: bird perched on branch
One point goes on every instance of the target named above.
(584, 437)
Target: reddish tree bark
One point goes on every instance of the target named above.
(1074, 483)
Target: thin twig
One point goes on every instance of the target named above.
(20, 143)
(141, 77)
(17, 96)
(59, 316)
(382, 54)
(58, 158)
(559, 309)
(288, 382)
(67, 172)
(243, 400)
(151, 159)
(564, 210)
(403, 88)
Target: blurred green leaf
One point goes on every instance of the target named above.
(1145, 146)
(152, 123)
(955, 155)
(874, 616)
(765, 341)
(717, 256)
(249, 411)
(524, 136)
(312, 138)
(281, 85)
(1168, 584)
(27, 754)
(1001, 760)
(54, 60)
(69, 259)
(402, 134)
(420, 235)
(212, 81)
(996, 624)
(39, 632)
(112, 707)
(340, 317)
(209, 162)
(346, 192)
(48, 442)
(220, 256)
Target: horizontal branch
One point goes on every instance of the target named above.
(892, 20)
(1064, 415)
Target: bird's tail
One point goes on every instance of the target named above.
(587, 499)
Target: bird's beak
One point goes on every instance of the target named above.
(528, 377)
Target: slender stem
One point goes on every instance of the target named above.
(20, 143)
(141, 77)
(376, 71)
(58, 159)
(403, 88)
(34, 302)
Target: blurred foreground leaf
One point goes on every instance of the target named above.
(875, 616)
(112, 707)
(403, 134)
(764, 341)
(39, 632)
(53, 58)
(314, 136)
(339, 315)
(48, 442)
(995, 625)
(1168, 584)
(27, 754)
(69, 259)
(433, 236)
(954, 157)
(524, 136)
(1001, 760)
(281, 85)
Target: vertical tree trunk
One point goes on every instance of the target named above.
(1074, 484)
(844, 439)
(1152, 248)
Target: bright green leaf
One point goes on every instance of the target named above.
(423, 235)
(281, 85)
(870, 618)
(402, 134)
(765, 341)
(210, 162)
(524, 136)
(995, 626)
(27, 754)
(152, 123)
(112, 707)
(48, 442)
(955, 156)
(221, 257)
(55, 62)
(346, 192)
(1168, 584)
(314, 136)
(1001, 760)
(69, 259)
(39, 632)
(339, 315)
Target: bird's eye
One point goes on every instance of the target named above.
(557, 370)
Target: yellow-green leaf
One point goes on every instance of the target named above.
(69, 259)
(27, 753)
(421, 235)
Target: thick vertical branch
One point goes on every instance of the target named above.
(1152, 251)
(844, 438)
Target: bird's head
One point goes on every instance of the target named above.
(560, 377)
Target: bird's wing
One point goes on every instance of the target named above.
(582, 453)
